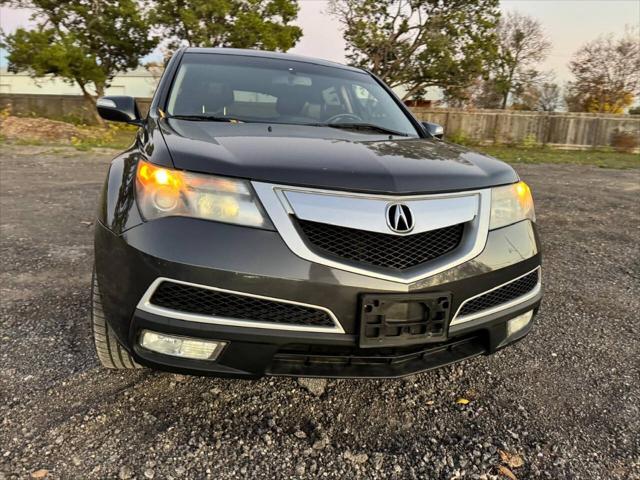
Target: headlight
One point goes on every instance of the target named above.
(163, 192)
(511, 204)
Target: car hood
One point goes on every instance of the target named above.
(327, 158)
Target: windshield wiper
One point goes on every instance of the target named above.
(365, 126)
(207, 118)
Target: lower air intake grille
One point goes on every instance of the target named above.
(398, 252)
(501, 295)
(335, 361)
(191, 299)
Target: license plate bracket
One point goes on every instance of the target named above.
(388, 320)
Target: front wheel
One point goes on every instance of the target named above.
(110, 353)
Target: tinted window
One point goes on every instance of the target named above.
(281, 91)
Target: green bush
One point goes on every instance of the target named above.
(460, 138)
(530, 141)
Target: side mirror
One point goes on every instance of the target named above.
(434, 129)
(119, 109)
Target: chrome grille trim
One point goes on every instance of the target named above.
(146, 306)
(275, 200)
(430, 213)
(458, 319)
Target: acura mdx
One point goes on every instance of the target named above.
(282, 215)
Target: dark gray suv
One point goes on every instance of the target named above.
(281, 215)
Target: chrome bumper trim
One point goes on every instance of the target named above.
(457, 320)
(146, 306)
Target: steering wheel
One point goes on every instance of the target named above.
(344, 117)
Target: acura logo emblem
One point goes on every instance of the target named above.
(399, 218)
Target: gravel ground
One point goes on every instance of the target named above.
(563, 403)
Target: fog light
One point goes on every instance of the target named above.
(518, 323)
(185, 347)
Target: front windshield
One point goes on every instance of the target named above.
(257, 89)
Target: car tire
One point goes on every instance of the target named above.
(110, 353)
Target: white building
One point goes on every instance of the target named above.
(136, 83)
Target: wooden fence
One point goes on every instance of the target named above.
(558, 129)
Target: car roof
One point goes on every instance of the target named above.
(268, 54)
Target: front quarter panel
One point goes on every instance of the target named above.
(118, 211)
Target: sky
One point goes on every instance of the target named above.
(568, 23)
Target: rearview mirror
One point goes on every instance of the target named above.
(119, 109)
(434, 129)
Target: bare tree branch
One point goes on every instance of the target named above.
(522, 45)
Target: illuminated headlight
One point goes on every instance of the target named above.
(177, 346)
(163, 192)
(511, 204)
(518, 323)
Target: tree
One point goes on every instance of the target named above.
(550, 97)
(264, 24)
(522, 44)
(545, 96)
(416, 44)
(480, 93)
(86, 42)
(606, 75)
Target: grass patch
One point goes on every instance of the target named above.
(118, 136)
(28, 141)
(118, 139)
(44, 131)
(598, 158)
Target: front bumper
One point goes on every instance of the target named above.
(259, 263)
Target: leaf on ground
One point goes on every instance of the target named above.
(513, 460)
(462, 401)
(506, 472)
(42, 473)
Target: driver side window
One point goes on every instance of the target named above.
(367, 103)
(330, 97)
(335, 102)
